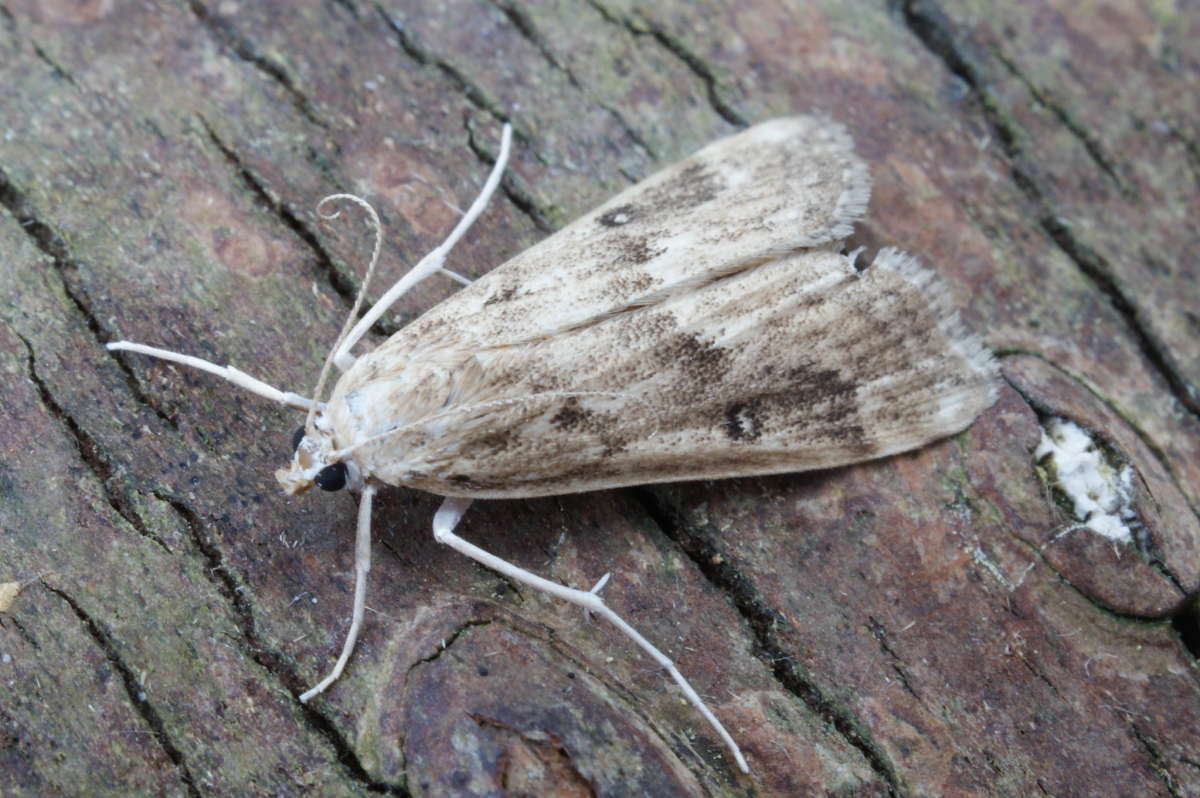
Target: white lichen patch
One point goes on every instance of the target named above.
(1102, 493)
(8, 594)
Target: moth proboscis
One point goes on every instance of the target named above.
(704, 323)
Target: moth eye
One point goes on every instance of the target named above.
(297, 436)
(332, 477)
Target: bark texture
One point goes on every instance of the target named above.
(931, 624)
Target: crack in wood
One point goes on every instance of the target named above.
(472, 91)
(1186, 624)
(881, 637)
(763, 620)
(930, 25)
(341, 285)
(449, 641)
(88, 451)
(1158, 762)
(235, 42)
(274, 663)
(216, 572)
(137, 697)
(525, 25)
(58, 69)
(678, 48)
(513, 190)
(64, 266)
(1089, 142)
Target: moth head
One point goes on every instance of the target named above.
(314, 462)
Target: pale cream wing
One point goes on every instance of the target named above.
(775, 188)
(799, 363)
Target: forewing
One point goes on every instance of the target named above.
(799, 363)
(773, 189)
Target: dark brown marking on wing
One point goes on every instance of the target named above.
(503, 295)
(693, 185)
(741, 421)
(627, 283)
(571, 416)
(498, 441)
(635, 250)
(619, 216)
(813, 386)
(464, 481)
(703, 362)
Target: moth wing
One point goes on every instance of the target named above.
(775, 188)
(799, 363)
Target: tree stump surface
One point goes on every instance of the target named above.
(937, 623)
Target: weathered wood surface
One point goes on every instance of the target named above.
(915, 626)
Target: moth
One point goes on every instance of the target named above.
(704, 323)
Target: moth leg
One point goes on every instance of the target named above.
(456, 277)
(433, 262)
(362, 565)
(239, 378)
(596, 588)
(447, 518)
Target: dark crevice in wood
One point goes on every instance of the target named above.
(528, 29)
(474, 93)
(89, 452)
(1089, 143)
(930, 25)
(1097, 604)
(479, 98)
(450, 640)
(338, 282)
(1043, 790)
(678, 48)
(634, 136)
(1158, 762)
(350, 7)
(233, 41)
(513, 191)
(1191, 150)
(220, 576)
(66, 268)
(22, 632)
(1039, 675)
(1186, 624)
(58, 69)
(1096, 267)
(718, 568)
(137, 698)
(898, 665)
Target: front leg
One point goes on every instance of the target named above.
(447, 518)
(362, 566)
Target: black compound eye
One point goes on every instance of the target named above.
(297, 436)
(332, 477)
